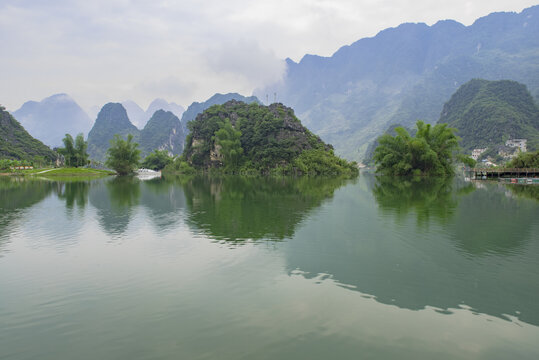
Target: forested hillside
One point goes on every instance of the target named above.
(111, 120)
(238, 137)
(487, 113)
(16, 143)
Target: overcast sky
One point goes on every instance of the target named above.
(112, 50)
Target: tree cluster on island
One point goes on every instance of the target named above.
(240, 138)
(429, 152)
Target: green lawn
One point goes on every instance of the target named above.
(66, 172)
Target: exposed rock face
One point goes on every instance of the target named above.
(164, 132)
(50, 119)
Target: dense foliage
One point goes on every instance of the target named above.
(237, 138)
(123, 156)
(487, 113)
(525, 160)
(17, 144)
(74, 152)
(157, 160)
(429, 152)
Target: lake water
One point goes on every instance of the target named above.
(258, 268)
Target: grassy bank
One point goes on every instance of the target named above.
(61, 172)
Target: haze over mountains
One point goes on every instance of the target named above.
(163, 131)
(50, 119)
(406, 73)
(397, 77)
(139, 117)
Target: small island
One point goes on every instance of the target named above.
(240, 138)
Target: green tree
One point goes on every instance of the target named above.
(157, 160)
(80, 150)
(74, 151)
(228, 139)
(123, 156)
(525, 160)
(68, 151)
(430, 152)
(466, 160)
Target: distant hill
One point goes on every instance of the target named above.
(139, 117)
(404, 74)
(111, 120)
(136, 114)
(161, 104)
(164, 132)
(487, 113)
(218, 99)
(17, 143)
(50, 119)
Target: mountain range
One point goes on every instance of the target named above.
(406, 73)
(217, 99)
(51, 118)
(139, 117)
(163, 131)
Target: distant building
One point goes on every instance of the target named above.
(518, 143)
(477, 152)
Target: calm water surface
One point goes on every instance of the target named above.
(239, 268)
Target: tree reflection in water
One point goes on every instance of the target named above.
(236, 209)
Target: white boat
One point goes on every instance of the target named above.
(147, 174)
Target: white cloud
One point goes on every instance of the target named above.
(110, 50)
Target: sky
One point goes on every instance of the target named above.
(183, 51)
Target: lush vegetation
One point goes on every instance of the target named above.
(74, 152)
(525, 160)
(123, 155)
(429, 152)
(157, 160)
(487, 113)
(17, 144)
(250, 138)
(180, 167)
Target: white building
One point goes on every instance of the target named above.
(519, 143)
